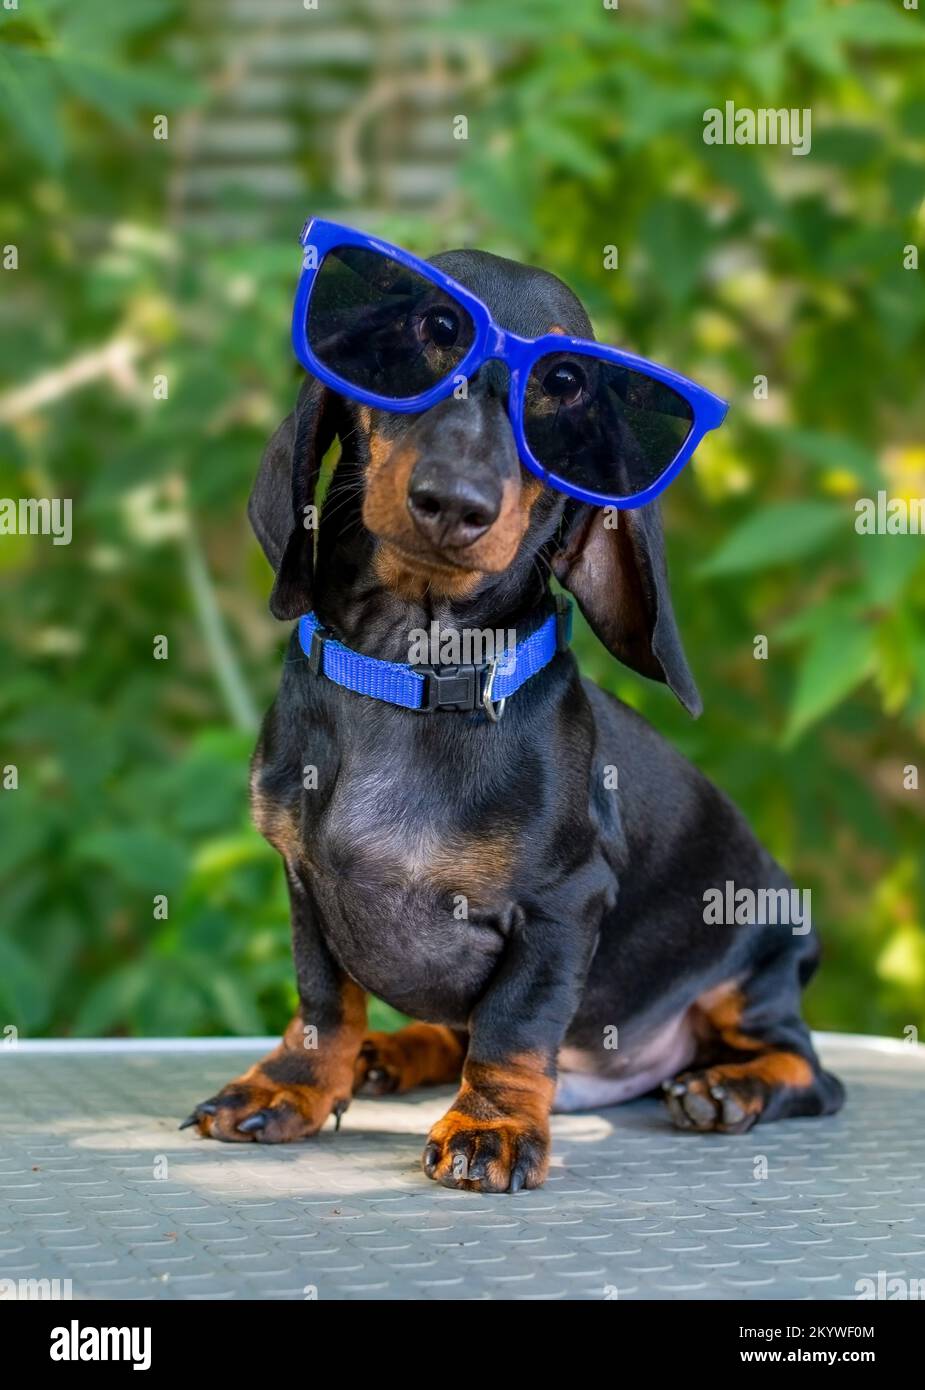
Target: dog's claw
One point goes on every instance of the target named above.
(733, 1112)
(253, 1123)
(430, 1157)
(718, 1092)
(699, 1108)
(208, 1107)
(517, 1180)
(339, 1111)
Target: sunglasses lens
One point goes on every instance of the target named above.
(383, 327)
(601, 426)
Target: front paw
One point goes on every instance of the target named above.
(245, 1111)
(496, 1155)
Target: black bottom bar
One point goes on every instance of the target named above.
(272, 1339)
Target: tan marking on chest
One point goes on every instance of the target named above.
(276, 822)
(479, 865)
(374, 821)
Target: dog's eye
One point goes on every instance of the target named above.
(440, 327)
(565, 381)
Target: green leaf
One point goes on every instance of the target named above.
(832, 451)
(146, 860)
(112, 1001)
(23, 829)
(836, 661)
(808, 622)
(557, 144)
(119, 93)
(890, 562)
(29, 94)
(99, 24)
(848, 146)
(650, 109)
(23, 996)
(677, 237)
(872, 22)
(233, 1002)
(776, 535)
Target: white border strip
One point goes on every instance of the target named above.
(895, 1047)
(141, 1046)
(123, 1046)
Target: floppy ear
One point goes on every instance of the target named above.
(284, 487)
(618, 577)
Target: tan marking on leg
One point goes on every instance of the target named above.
(720, 1013)
(296, 1108)
(773, 1068)
(717, 1017)
(500, 1119)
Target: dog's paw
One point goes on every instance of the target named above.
(497, 1155)
(713, 1100)
(380, 1068)
(421, 1054)
(247, 1112)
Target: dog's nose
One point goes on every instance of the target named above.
(450, 509)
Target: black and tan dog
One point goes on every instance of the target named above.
(585, 903)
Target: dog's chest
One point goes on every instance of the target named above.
(378, 825)
(411, 904)
(379, 829)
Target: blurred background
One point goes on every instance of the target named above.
(141, 259)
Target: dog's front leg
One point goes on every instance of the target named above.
(291, 1092)
(495, 1136)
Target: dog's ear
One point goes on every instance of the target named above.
(613, 562)
(284, 487)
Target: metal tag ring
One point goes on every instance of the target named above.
(493, 708)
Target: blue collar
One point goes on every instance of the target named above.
(425, 688)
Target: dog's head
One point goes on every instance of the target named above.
(449, 507)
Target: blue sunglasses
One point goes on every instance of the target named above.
(385, 328)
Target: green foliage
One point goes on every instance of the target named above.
(735, 263)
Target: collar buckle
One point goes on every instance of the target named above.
(450, 688)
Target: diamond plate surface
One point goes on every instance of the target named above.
(98, 1186)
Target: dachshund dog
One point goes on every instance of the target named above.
(531, 888)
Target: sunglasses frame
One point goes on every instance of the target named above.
(493, 343)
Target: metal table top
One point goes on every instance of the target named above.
(98, 1187)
